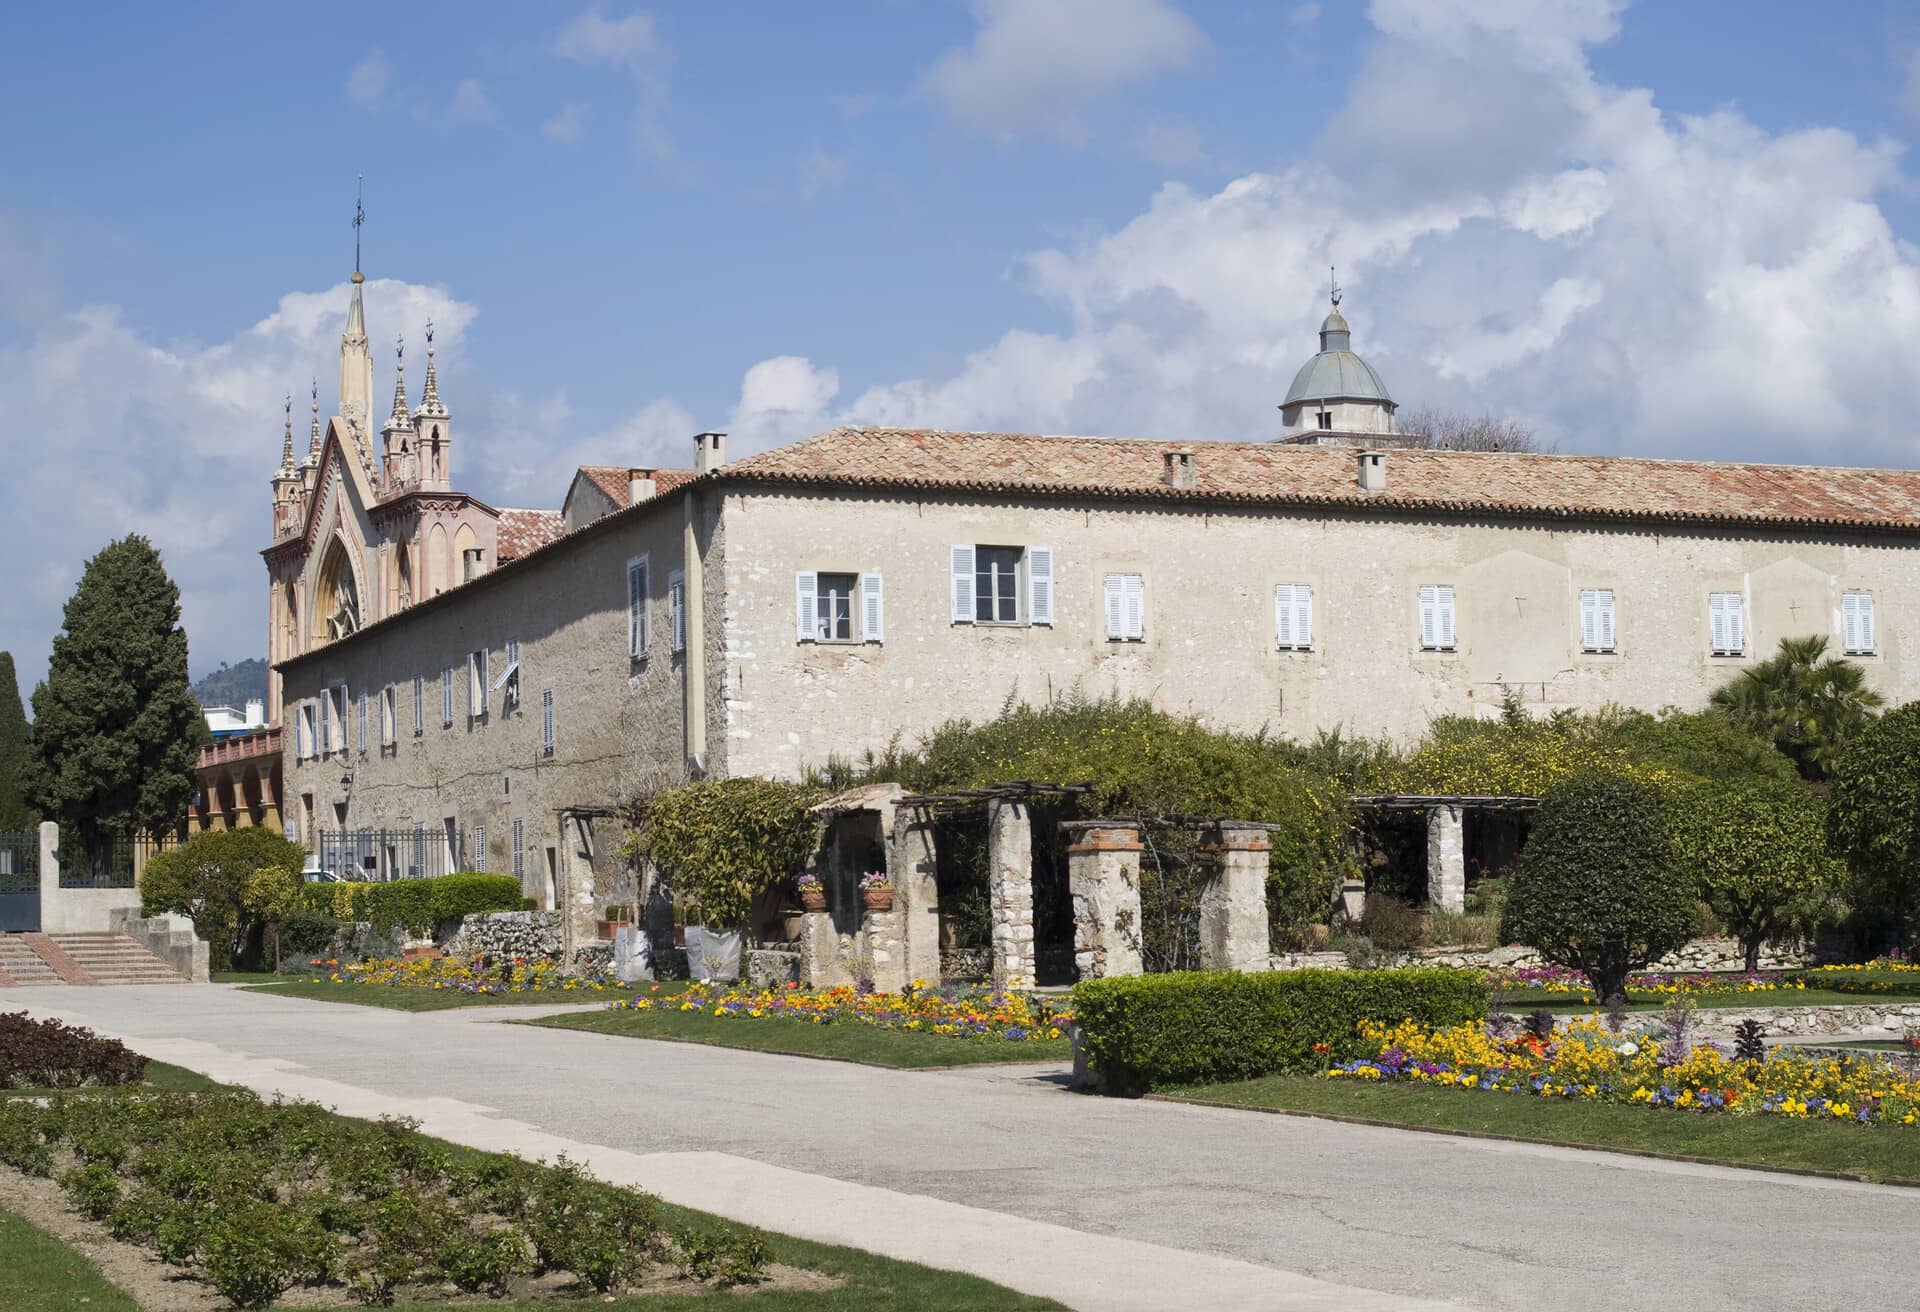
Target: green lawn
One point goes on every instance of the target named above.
(159, 1076)
(847, 1041)
(1888, 1154)
(38, 1273)
(416, 999)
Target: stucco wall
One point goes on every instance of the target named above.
(618, 725)
(1209, 646)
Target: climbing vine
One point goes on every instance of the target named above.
(725, 841)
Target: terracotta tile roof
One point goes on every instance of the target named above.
(1558, 486)
(521, 532)
(612, 480)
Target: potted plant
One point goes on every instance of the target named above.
(618, 914)
(876, 890)
(813, 894)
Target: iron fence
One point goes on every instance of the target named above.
(379, 855)
(97, 861)
(19, 863)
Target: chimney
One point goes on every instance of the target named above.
(640, 485)
(1179, 471)
(709, 452)
(256, 713)
(1373, 471)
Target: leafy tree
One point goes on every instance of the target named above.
(271, 895)
(727, 840)
(1758, 855)
(1594, 887)
(1808, 703)
(116, 735)
(1873, 813)
(15, 815)
(214, 879)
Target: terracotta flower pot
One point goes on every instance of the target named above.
(877, 899)
(813, 899)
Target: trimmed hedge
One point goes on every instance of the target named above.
(36, 1054)
(1195, 1027)
(414, 904)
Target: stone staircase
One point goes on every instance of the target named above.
(21, 966)
(80, 958)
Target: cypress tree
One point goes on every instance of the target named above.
(116, 734)
(15, 815)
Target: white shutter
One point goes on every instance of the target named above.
(1736, 623)
(1134, 592)
(872, 609)
(1283, 615)
(1864, 601)
(1429, 616)
(363, 719)
(806, 606)
(677, 610)
(1850, 621)
(546, 720)
(637, 589)
(1589, 619)
(1039, 585)
(1606, 619)
(960, 573)
(1443, 604)
(446, 696)
(1303, 615)
(326, 722)
(1115, 599)
(1717, 621)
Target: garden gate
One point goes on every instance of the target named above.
(19, 883)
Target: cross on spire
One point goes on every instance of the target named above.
(359, 217)
(1333, 286)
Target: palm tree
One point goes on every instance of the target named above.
(1808, 704)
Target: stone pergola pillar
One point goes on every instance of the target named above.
(1233, 904)
(1010, 886)
(242, 809)
(270, 801)
(1103, 877)
(1446, 859)
(916, 893)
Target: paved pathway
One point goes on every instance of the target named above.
(1102, 1203)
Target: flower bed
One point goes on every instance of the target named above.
(1649, 985)
(1889, 976)
(256, 1198)
(478, 975)
(960, 1013)
(45, 1054)
(1583, 1061)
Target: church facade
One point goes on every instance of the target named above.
(758, 616)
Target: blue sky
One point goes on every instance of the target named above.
(1675, 228)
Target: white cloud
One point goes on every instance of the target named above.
(568, 125)
(1561, 206)
(470, 104)
(367, 81)
(820, 172)
(1038, 68)
(781, 399)
(633, 45)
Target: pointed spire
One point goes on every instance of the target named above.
(430, 404)
(313, 444)
(286, 441)
(399, 418)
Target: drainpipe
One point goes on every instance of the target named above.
(695, 670)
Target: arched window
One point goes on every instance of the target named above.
(337, 599)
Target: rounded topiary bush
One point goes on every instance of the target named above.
(1595, 887)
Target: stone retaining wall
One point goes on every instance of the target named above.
(1701, 954)
(1888, 1016)
(507, 934)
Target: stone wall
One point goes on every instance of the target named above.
(1701, 954)
(507, 934)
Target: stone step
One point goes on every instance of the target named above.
(107, 957)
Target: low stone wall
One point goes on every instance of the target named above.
(1701, 954)
(170, 938)
(975, 963)
(772, 967)
(508, 934)
(1889, 1016)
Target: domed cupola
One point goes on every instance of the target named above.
(1336, 392)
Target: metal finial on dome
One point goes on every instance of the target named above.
(1333, 286)
(430, 403)
(399, 418)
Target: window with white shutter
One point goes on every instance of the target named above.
(806, 606)
(1123, 601)
(389, 719)
(1596, 619)
(326, 722)
(1856, 623)
(1726, 623)
(1436, 617)
(363, 720)
(676, 610)
(507, 682)
(546, 722)
(419, 705)
(519, 850)
(480, 848)
(446, 697)
(873, 627)
(1293, 616)
(476, 685)
(637, 591)
(960, 581)
(1040, 585)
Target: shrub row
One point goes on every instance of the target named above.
(45, 1054)
(255, 1198)
(1190, 1027)
(1867, 981)
(413, 904)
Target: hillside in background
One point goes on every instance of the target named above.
(232, 685)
